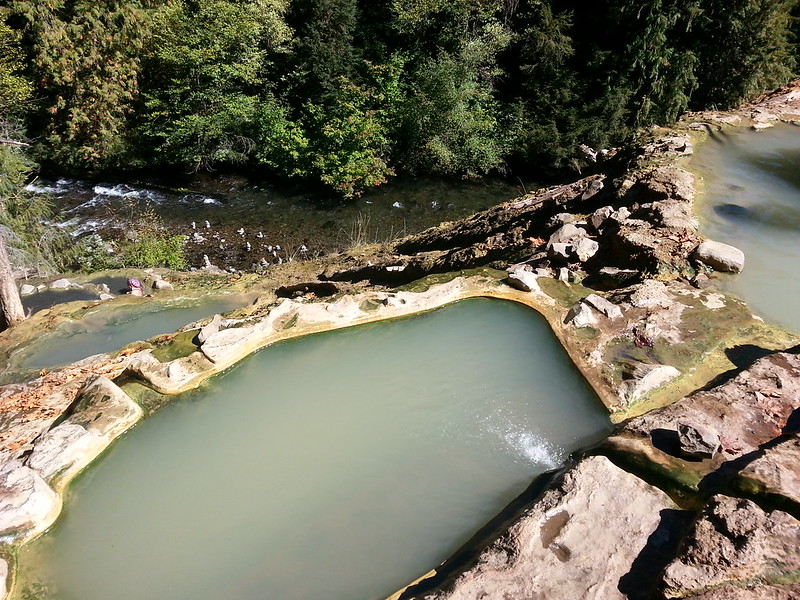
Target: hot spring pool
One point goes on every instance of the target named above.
(338, 466)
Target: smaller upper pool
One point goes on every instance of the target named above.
(752, 201)
(107, 330)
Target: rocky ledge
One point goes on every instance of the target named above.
(695, 494)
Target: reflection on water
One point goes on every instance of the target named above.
(338, 466)
(752, 201)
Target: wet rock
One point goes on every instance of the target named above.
(697, 441)
(26, 289)
(609, 309)
(719, 256)
(734, 541)
(642, 378)
(553, 550)
(27, 504)
(60, 448)
(700, 281)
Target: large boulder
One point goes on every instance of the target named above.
(668, 182)
(103, 412)
(719, 256)
(580, 540)
(734, 541)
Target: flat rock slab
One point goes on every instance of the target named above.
(733, 541)
(749, 410)
(578, 541)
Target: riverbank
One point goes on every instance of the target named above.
(612, 262)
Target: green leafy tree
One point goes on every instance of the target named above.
(744, 47)
(204, 84)
(85, 59)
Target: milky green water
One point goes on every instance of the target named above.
(752, 201)
(109, 331)
(338, 466)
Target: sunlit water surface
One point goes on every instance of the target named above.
(752, 201)
(336, 466)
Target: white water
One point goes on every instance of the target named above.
(339, 466)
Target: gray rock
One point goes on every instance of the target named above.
(599, 217)
(106, 297)
(60, 448)
(162, 284)
(211, 328)
(26, 289)
(651, 294)
(27, 503)
(60, 284)
(566, 233)
(561, 219)
(697, 441)
(645, 378)
(674, 214)
(669, 182)
(719, 256)
(585, 249)
(581, 315)
(620, 214)
(522, 279)
(734, 541)
(564, 274)
(609, 309)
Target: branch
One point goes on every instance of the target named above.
(13, 143)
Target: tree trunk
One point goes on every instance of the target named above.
(11, 310)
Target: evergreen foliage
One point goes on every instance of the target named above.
(349, 93)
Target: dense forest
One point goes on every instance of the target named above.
(349, 93)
